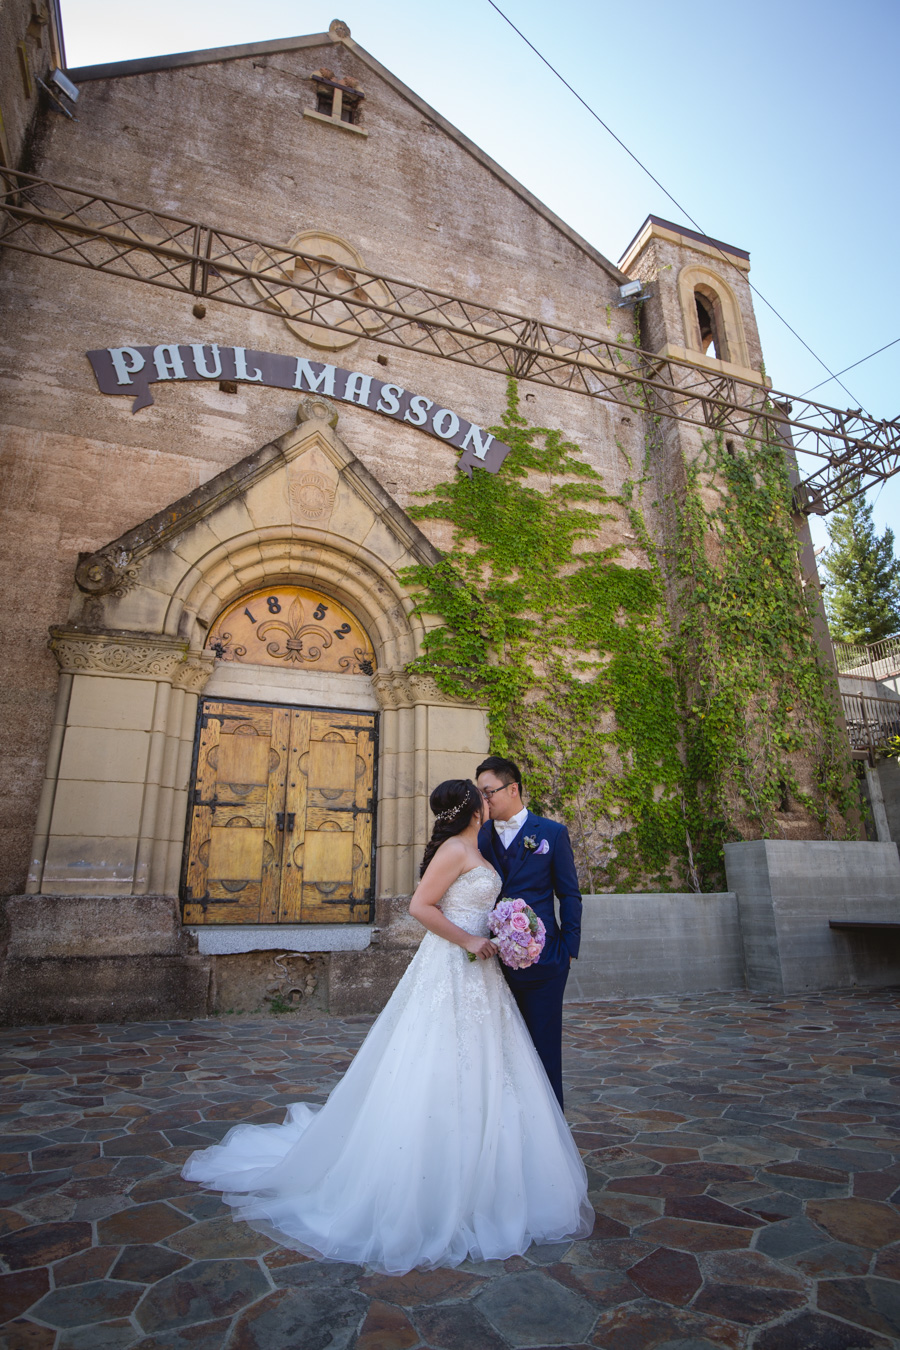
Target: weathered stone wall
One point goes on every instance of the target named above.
(227, 143)
(29, 48)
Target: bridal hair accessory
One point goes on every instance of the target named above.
(519, 935)
(450, 812)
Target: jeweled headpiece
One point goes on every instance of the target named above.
(450, 812)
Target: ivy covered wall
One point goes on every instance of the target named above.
(660, 709)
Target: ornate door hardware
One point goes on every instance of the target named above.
(281, 816)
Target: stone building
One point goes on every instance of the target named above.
(223, 753)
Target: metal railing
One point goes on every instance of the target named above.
(871, 722)
(876, 661)
(91, 230)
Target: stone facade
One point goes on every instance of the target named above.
(127, 534)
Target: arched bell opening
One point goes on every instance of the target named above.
(711, 315)
(710, 323)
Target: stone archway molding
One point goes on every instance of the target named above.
(134, 661)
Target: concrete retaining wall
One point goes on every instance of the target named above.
(889, 777)
(657, 944)
(90, 958)
(99, 959)
(788, 890)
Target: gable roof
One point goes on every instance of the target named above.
(178, 60)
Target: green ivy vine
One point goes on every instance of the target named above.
(758, 695)
(568, 648)
(657, 741)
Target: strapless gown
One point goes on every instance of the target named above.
(443, 1140)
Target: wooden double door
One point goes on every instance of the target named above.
(281, 816)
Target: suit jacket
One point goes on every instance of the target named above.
(535, 878)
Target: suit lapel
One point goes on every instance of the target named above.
(517, 853)
(492, 850)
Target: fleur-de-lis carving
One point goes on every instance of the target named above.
(303, 642)
(362, 660)
(221, 644)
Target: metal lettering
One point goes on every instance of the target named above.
(200, 361)
(168, 366)
(418, 406)
(324, 378)
(240, 366)
(357, 389)
(123, 372)
(445, 423)
(478, 441)
(134, 370)
(389, 402)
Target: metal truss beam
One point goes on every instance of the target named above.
(87, 229)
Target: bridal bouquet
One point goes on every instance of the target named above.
(519, 935)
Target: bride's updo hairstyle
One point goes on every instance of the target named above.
(453, 803)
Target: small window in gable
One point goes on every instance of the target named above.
(338, 99)
(710, 323)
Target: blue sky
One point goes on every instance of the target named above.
(775, 125)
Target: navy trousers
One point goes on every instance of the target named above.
(540, 1001)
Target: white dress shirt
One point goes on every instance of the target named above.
(508, 829)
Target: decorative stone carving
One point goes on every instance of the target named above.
(312, 495)
(108, 572)
(116, 653)
(192, 675)
(427, 690)
(391, 689)
(400, 689)
(329, 266)
(338, 29)
(317, 408)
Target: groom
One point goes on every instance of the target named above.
(534, 859)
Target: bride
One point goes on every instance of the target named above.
(444, 1139)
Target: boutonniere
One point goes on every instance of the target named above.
(532, 845)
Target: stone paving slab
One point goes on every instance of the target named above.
(743, 1155)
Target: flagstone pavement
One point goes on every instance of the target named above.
(743, 1155)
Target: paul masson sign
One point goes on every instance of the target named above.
(131, 370)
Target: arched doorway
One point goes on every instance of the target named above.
(282, 805)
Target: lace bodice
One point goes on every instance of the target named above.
(470, 898)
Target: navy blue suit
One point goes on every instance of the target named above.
(535, 877)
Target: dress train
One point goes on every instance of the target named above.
(443, 1141)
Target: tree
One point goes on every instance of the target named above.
(861, 576)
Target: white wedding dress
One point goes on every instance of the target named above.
(443, 1140)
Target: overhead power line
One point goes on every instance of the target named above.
(853, 367)
(674, 200)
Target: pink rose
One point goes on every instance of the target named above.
(519, 922)
(533, 950)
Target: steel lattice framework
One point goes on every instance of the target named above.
(50, 220)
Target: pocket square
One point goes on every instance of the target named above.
(532, 845)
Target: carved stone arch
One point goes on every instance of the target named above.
(359, 579)
(696, 279)
(134, 661)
